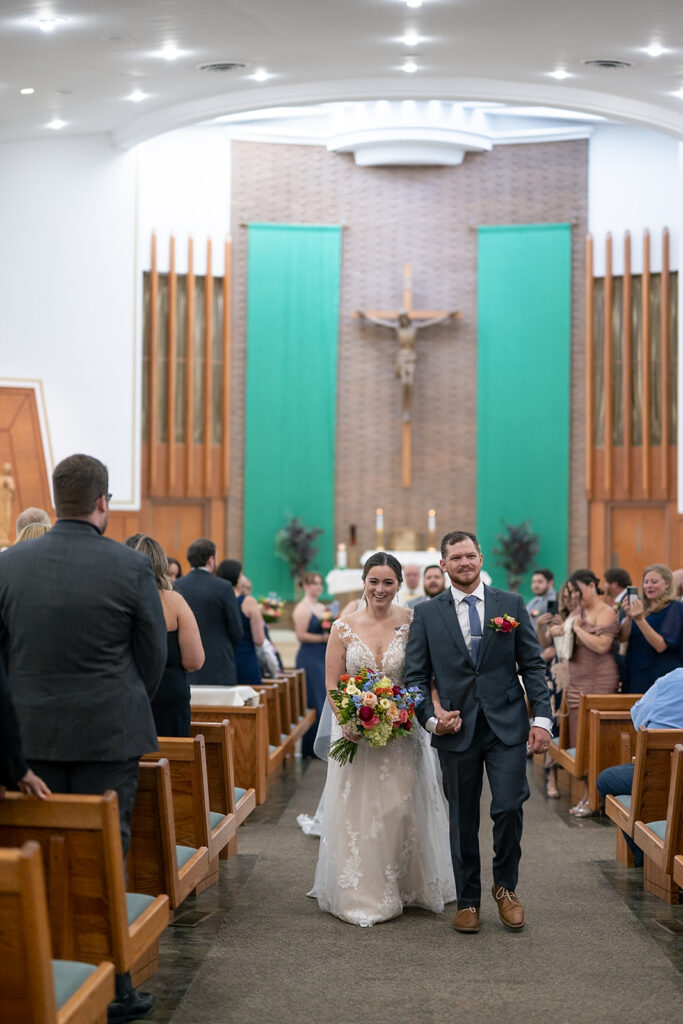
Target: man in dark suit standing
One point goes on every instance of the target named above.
(217, 613)
(474, 640)
(84, 640)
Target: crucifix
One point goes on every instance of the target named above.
(406, 322)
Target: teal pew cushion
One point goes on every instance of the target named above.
(68, 976)
(283, 737)
(239, 793)
(215, 817)
(136, 904)
(658, 827)
(271, 748)
(571, 751)
(624, 799)
(183, 854)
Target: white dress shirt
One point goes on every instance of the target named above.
(462, 609)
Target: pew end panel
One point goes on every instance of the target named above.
(250, 726)
(606, 730)
(661, 840)
(224, 796)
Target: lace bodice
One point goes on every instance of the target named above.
(359, 655)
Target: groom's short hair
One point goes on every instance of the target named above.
(456, 537)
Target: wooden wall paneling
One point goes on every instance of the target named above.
(189, 368)
(21, 444)
(638, 535)
(664, 346)
(227, 320)
(626, 357)
(175, 523)
(172, 372)
(153, 367)
(590, 345)
(208, 368)
(645, 355)
(608, 386)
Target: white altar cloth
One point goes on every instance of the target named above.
(223, 696)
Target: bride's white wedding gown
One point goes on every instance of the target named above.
(384, 842)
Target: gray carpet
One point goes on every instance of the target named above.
(582, 957)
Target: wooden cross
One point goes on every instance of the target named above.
(406, 322)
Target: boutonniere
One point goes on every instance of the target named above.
(503, 623)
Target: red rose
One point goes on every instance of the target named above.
(506, 626)
(406, 726)
(396, 690)
(365, 713)
(344, 679)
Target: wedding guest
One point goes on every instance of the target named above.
(652, 628)
(433, 582)
(32, 515)
(592, 667)
(171, 702)
(557, 670)
(678, 581)
(175, 570)
(32, 531)
(253, 629)
(412, 584)
(615, 583)
(308, 617)
(244, 586)
(543, 589)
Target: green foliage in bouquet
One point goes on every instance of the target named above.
(295, 543)
(516, 550)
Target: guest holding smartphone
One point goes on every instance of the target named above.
(652, 628)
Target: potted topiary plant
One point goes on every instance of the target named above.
(515, 551)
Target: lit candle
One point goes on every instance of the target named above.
(431, 530)
(379, 528)
(379, 521)
(341, 556)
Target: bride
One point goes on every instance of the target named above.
(383, 825)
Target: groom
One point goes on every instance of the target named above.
(474, 640)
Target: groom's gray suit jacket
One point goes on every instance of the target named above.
(436, 648)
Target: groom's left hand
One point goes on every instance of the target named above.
(539, 740)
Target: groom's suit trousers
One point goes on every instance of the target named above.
(463, 773)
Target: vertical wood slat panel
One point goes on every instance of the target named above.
(189, 367)
(608, 351)
(227, 338)
(645, 355)
(626, 356)
(153, 393)
(664, 342)
(590, 339)
(172, 367)
(208, 366)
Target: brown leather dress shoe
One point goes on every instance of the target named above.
(467, 920)
(510, 910)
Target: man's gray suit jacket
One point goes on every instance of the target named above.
(436, 648)
(84, 641)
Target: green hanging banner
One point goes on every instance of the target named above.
(293, 281)
(523, 389)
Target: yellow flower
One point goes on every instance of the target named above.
(368, 698)
(351, 690)
(384, 681)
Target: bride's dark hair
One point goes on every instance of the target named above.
(383, 558)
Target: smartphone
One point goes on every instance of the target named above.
(552, 608)
(631, 592)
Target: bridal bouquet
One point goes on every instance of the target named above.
(327, 619)
(271, 607)
(379, 711)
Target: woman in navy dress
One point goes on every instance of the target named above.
(171, 702)
(653, 630)
(309, 616)
(253, 632)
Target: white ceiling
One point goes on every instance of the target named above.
(325, 51)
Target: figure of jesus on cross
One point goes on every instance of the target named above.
(406, 323)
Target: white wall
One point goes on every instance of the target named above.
(185, 191)
(634, 182)
(68, 297)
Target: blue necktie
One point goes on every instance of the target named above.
(475, 626)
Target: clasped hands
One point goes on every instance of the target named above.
(448, 722)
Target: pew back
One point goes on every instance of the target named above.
(251, 742)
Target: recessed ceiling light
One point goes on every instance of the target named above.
(169, 52)
(27, 92)
(137, 95)
(261, 75)
(56, 123)
(679, 93)
(411, 38)
(409, 65)
(560, 74)
(413, 3)
(655, 50)
(47, 24)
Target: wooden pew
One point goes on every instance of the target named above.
(33, 988)
(92, 917)
(224, 796)
(195, 825)
(251, 742)
(607, 732)
(277, 739)
(156, 862)
(660, 841)
(678, 870)
(650, 791)
(575, 759)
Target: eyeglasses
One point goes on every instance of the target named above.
(108, 496)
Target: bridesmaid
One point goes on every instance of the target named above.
(253, 634)
(308, 616)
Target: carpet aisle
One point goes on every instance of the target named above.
(584, 955)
